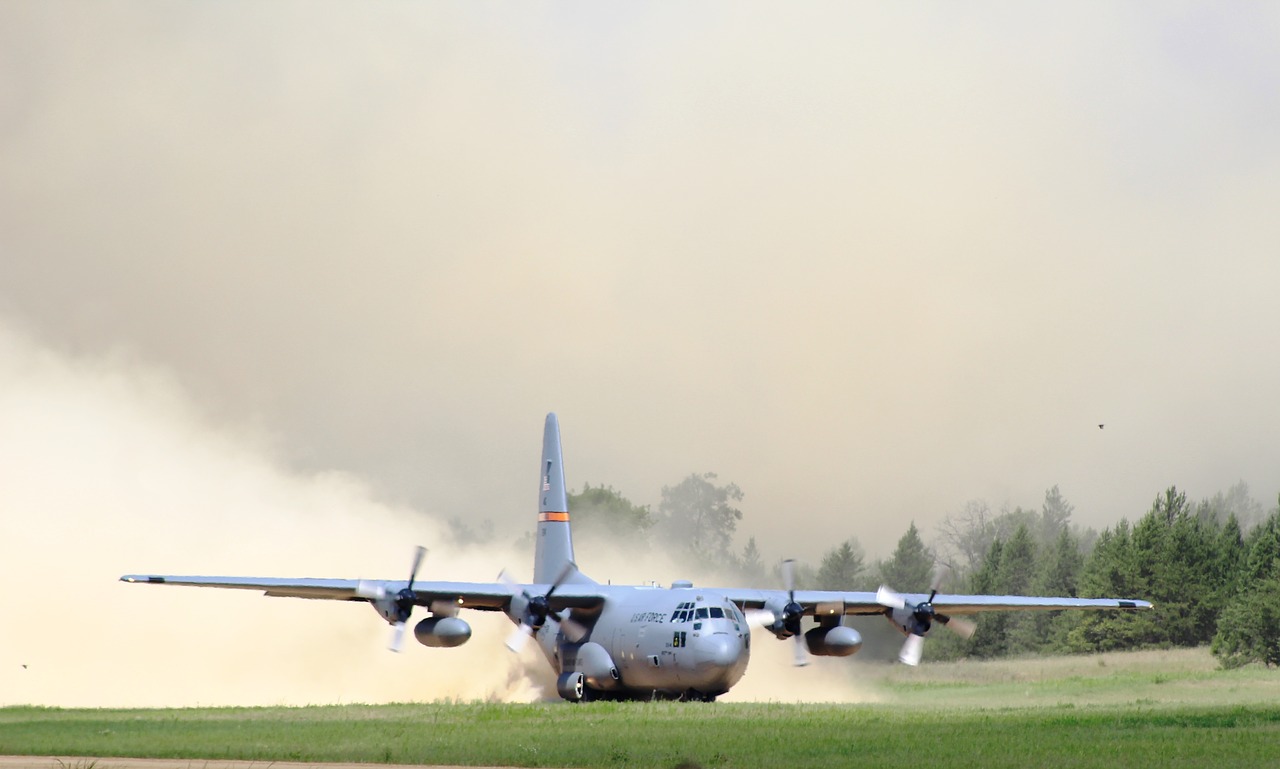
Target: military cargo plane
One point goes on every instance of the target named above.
(639, 642)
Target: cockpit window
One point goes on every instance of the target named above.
(683, 612)
(717, 612)
(701, 613)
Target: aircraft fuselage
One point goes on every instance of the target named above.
(655, 643)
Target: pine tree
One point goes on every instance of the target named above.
(1017, 571)
(1110, 571)
(841, 567)
(910, 568)
(989, 640)
(1059, 574)
(1249, 625)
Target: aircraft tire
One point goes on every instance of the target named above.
(571, 686)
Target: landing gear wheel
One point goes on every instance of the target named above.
(571, 686)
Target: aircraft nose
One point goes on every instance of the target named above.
(719, 649)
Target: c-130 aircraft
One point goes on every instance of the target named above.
(639, 642)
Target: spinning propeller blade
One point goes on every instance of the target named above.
(519, 638)
(397, 637)
(791, 614)
(801, 651)
(961, 627)
(912, 650)
(886, 597)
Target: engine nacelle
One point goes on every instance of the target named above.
(834, 641)
(777, 607)
(594, 662)
(903, 620)
(438, 632)
(386, 608)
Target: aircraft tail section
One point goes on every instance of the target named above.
(553, 548)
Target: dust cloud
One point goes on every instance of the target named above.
(866, 261)
(108, 468)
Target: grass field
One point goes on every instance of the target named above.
(1167, 709)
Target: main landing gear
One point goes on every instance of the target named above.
(572, 686)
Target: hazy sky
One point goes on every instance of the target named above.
(867, 261)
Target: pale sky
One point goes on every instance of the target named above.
(868, 261)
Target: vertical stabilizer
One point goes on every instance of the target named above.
(553, 547)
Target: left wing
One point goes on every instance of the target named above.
(912, 613)
(829, 602)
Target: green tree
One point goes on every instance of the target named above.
(698, 517)
(1229, 559)
(1059, 574)
(842, 566)
(1249, 625)
(1263, 544)
(989, 640)
(1249, 628)
(603, 511)
(1110, 571)
(1016, 573)
(1175, 552)
(910, 568)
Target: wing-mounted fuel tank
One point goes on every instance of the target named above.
(597, 667)
(442, 632)
(833, 641)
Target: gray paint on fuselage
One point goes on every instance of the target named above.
(635, 627)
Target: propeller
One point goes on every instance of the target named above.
(922, 617)
(403, 601)
(791, 614)
(537, 609)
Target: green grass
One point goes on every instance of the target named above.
(1168, 711)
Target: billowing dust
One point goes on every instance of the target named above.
(107, 468)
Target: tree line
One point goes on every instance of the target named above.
(1211, 568)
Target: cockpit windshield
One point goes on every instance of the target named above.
(690, 611)
(683, 612)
